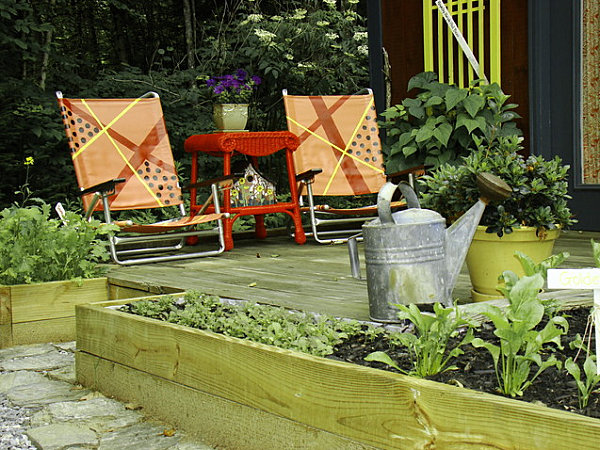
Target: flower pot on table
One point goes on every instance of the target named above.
(230, 116)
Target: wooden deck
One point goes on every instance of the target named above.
(310, 277)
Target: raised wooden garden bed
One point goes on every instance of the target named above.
(238, 394)
(45, 312)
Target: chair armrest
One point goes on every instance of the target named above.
(106, 186)
(218, 180)
(403, 175)
(309, 174)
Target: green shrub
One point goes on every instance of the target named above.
(539, 188)
(441, 123)
(36, 248)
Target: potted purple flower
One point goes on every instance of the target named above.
(232, 95)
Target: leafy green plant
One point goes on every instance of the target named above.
(552, 306)
(521, 344)
(539, 188)
(259, 323)
(36, 248)
(429, 344)
(442, 121)
(586, 386)
(304, 46)
(530, 267)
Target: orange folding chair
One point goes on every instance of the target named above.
(339, 155)
(123, 161)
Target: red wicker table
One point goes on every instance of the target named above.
(255, 145)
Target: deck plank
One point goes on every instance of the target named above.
(309, 277)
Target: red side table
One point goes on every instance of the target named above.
(253, 144)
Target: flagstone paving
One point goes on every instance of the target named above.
(43, 407)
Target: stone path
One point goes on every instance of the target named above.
(41, 406)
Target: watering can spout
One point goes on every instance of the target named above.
(460, 234)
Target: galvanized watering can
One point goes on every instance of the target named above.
(411, 257)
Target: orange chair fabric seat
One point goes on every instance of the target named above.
(123, 161)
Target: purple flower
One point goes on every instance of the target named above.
(233, 88)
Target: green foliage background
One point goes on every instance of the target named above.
(124, 48)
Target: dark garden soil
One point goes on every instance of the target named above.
(553, 388)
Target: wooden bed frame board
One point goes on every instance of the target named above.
(365, 406)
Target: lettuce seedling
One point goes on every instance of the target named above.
(584, 387)
(531, 268)
(429, 345)
(552, 306)
(521, 344)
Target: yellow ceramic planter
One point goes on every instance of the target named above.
(230, 116)
(490, 255)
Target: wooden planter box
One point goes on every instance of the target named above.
(45, 312)
(238, 394)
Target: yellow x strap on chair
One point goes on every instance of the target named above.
(123, 161)
(339, 155)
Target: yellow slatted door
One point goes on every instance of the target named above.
(478, 21)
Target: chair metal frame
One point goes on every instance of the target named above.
(123, 247)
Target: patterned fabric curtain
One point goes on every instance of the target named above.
(591, 91)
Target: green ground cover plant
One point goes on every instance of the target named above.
(259, 323)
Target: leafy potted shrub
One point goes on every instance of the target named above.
(529, 220)
(443, 121)
(46, 267)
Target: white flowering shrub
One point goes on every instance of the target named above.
(306, 47)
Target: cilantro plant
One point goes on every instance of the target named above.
(429, 345)
(37, 248)
(259, 323)
(521, 343)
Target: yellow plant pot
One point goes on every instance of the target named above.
(490, 255)
(230, 116)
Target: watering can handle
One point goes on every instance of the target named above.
(384, 200)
